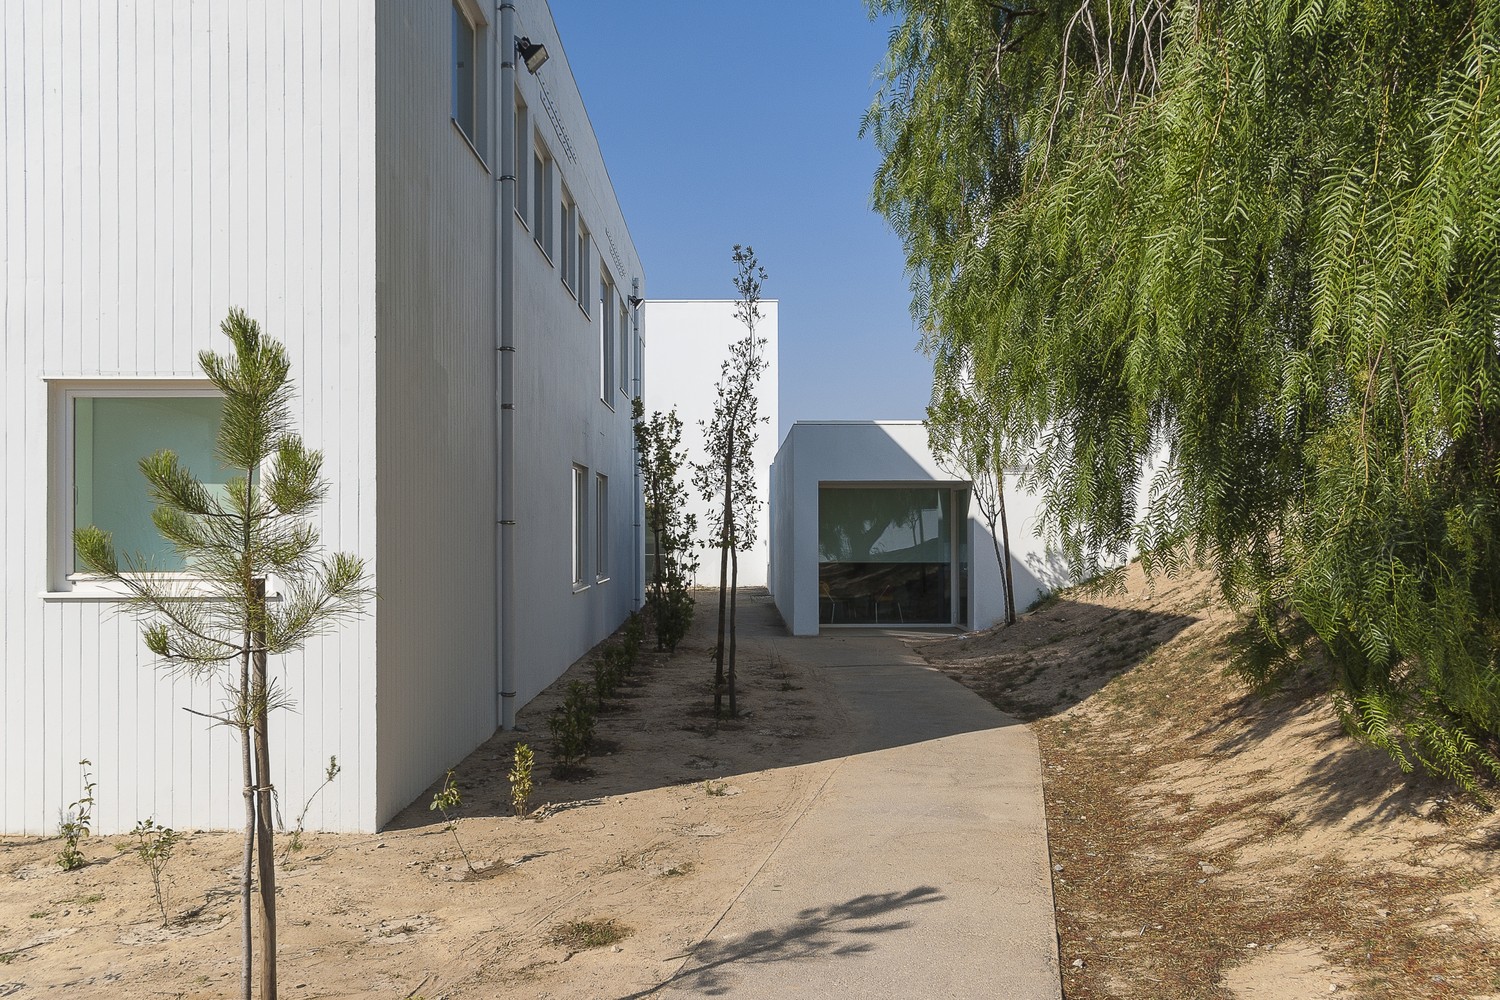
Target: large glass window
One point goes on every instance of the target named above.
(886, 555)
(110, 436)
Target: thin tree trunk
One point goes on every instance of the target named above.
(734, 607)
(724, 534)
(247, 872)
(263, 811)
(1008, 575)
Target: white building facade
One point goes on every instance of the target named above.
(430, 228)
(690, 339)
(869, 529)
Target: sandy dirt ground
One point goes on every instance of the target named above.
(678, 812)
(1211, 842)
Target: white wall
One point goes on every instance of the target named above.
(561, 418)
(436, 438)
(689, 340)
(890, 452)
(163, 162)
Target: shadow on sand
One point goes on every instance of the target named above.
(821, 933)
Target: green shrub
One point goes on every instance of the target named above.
(77, 823)
(572, 727)
(520, 779)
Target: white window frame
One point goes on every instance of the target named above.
(624, 349)
(606, 339)
(601, 528)
(522, 165)
(580, 527)
(585, 251)
(568, 246)
(543, 199)
(474, 135)
(63, 581)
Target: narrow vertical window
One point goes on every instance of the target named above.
(601, 527)
(569, 244)
(542, 199)
(523, 157)
(585, 293)
(465, 73)
(580, 523)
(624, 349)
(606, 339)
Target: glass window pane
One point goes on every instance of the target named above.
(885, 555)
(110, 437)
(463, 73)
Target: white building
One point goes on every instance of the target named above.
(867, 528)
(690, 339)
(429, 226)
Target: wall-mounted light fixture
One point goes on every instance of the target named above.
(634, 300)
(532, 53)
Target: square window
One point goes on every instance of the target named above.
(580, 524)
(601, 520)
(100, 435)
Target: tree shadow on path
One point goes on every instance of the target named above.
(836, 931)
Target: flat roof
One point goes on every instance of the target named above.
(882, 423)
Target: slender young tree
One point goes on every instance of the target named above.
(661, 458)
(727, 477)
(966, 441)
(219, 625)
(1257, 239)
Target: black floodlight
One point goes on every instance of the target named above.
(635, 300)
(532, 53)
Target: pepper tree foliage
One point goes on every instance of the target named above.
(1257, 237)
(967, 442)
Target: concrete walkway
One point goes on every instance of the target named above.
(920, 868)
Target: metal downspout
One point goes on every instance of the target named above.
(505, 378)
(638, 547)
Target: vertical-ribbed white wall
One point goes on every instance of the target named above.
(436, 270)
(165, 161)
(560, 416)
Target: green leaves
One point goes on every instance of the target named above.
(1256, 239)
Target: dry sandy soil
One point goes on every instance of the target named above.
(643, 841)
(1210, 842)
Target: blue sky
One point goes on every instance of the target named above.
(727, 123)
